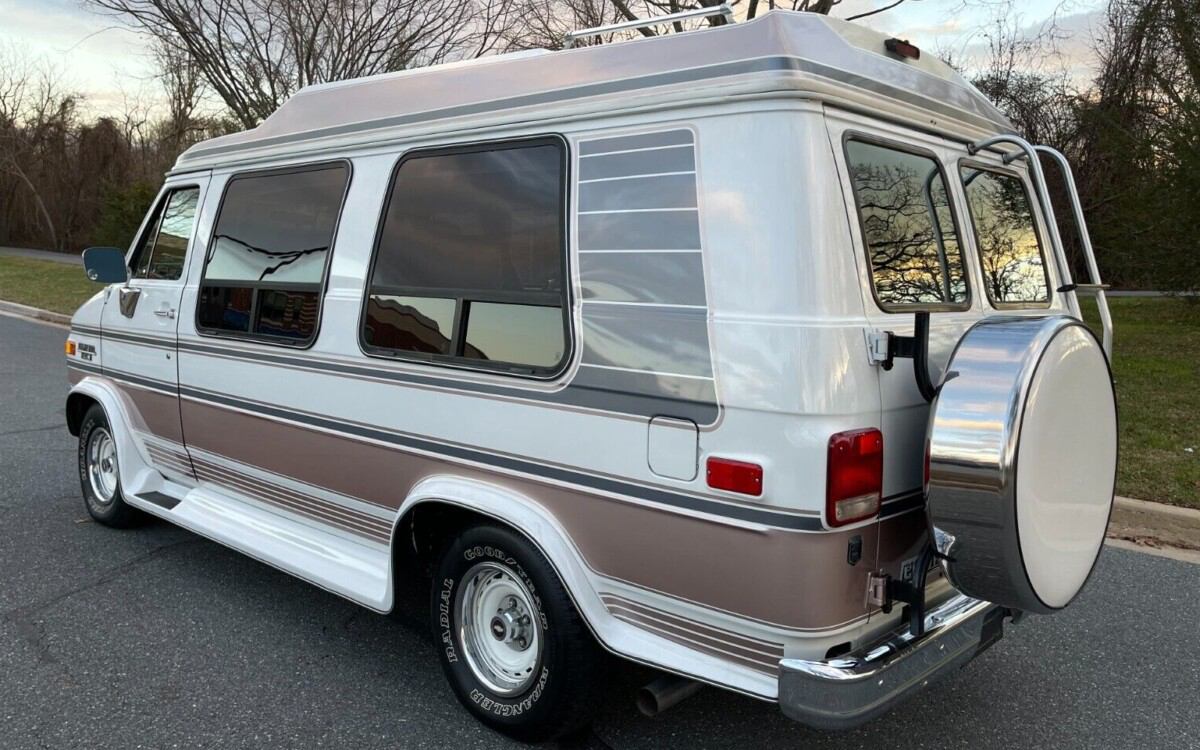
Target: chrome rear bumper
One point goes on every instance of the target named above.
(850, 690)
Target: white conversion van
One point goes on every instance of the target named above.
(751, 354)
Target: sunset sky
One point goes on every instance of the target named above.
(108, 63)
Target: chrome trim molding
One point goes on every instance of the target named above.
(848, 691)
(974, 439)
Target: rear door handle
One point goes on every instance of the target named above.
(165, 313)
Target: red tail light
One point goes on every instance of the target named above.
(854, 481)
(735, 476)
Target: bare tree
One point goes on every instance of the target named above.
(546, 22)
(183, 86)
(37, 113)
(255, 53)
(747, 9)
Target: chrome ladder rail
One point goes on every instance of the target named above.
(723, 9)
(1096, 288)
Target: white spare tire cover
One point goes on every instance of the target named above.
(1022, 461)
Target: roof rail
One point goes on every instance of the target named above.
(723, 9)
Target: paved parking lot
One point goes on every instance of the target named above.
(156, 638)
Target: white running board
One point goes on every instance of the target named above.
(358, 572)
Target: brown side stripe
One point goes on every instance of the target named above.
(283, 494)
(309, 506)
(169, 460)
(760, 656)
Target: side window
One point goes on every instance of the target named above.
(267, 259)
(1014, 267)
(908, 227)
(163, 249)
(470, 262)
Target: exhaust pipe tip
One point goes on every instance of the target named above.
(664, 693)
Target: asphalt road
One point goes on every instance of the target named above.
(26, 252)
(155, 638)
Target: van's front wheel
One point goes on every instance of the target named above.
(99, 477)
(513, 647)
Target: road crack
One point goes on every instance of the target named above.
(33, 632)
(47, 428)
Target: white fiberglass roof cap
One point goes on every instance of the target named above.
(788, 50)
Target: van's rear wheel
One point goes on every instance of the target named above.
(99, 477)
(515, 651)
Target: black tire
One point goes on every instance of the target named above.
(561, 690)
(115, 511)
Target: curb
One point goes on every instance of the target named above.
(25, 311)
(1155, 524)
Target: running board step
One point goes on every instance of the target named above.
(163, 501)
(359, 572)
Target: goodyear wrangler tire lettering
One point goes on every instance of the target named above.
(511, 644)
(443, 617)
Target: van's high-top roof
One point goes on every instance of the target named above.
(791, 54)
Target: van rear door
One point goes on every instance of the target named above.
(911, 255)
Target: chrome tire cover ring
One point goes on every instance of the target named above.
(1022, 461)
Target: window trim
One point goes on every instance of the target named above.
(849, 135)
(565, 297)
(320, 287)
(1037, 234)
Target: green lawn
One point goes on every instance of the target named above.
(1156, 365)
(58, 287)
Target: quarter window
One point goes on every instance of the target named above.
(908, 228)
(267, 259)
(1014, 268)
(470, 263)
(164, 246)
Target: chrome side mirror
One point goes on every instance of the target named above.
(105, 265)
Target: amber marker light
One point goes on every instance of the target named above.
(70, 348)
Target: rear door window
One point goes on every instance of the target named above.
(908, 228)
(1010, 252)
(269, 252)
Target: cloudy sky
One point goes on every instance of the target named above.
(109, 63)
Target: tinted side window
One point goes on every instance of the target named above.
(908, 227)
(267, 259)
(1014, 269)
(163, 249)
(470, 263)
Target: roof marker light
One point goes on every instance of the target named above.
(903, 48)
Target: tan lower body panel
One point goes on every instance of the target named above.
(771, 575)
(158, 411)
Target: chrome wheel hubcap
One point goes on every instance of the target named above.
(498, 627)
(102, 465)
